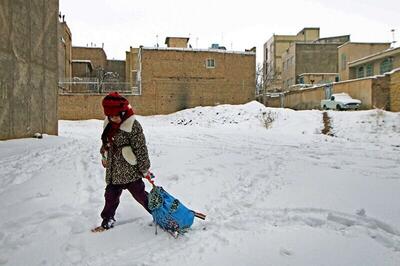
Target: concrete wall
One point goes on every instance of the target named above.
(316, 58)
(319, 78)
(28, 85)
(289, 67)
(360, 89)
(95, 54)
(117, 66)
(376, 92)
(64, 52)
(274, 48)
(81, 69)
(303, 58)
(131, 65)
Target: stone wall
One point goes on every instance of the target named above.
(380, 97)
(28, 85)
(395, 91)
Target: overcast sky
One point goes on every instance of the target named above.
(239, 25)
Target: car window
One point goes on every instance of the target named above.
(344, 97)
(332, 98)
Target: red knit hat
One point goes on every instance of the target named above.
(114, 104)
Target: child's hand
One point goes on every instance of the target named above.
(104, 163)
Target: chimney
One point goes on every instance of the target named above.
(178, 42)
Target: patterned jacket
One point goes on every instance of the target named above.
(127, 156)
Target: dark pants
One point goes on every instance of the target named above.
(113, 193)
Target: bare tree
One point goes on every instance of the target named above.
(259, 79)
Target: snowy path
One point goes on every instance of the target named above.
(283, 196)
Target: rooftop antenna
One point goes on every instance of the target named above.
(394, 39)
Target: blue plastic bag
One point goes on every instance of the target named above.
(168, 212)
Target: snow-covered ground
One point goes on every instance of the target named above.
(275, 193)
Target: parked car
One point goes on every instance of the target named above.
(340, 101)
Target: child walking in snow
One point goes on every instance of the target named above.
(124, 155)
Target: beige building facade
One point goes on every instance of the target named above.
(375, 64)
(177, 42)
(64, 51)
(319, 56)
(174, 78)
(96, 55)
(351, 51)
(273, 50)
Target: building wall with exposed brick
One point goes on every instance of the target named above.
(173, 80)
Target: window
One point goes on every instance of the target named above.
(369, 70)
(210, 63)
(301, 80)
(360, 72)
(386, 65)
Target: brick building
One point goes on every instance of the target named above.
(176, 77)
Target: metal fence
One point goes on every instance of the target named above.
(95, 86)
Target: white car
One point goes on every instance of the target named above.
(340, 101)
